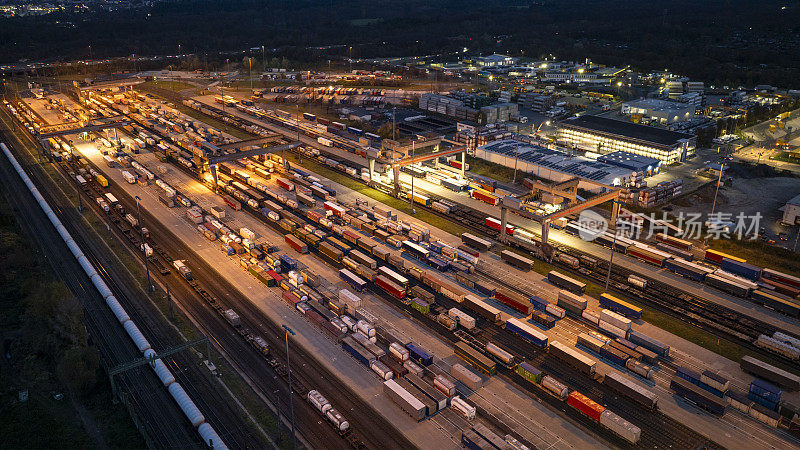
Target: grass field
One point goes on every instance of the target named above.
(492, 170)
(176, 86)
(760, 254)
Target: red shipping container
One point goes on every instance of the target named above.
(296, 244)
(493, 223)
(389, 286)
(315, 318)
(275, 276)
(586, 405)
(513, 302)
(351, 236)
(486, 197)
(290, 297)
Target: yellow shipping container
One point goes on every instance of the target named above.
(102, 181)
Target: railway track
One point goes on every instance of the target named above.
(155, 413)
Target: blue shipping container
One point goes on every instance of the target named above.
(683, 270)
(541, 343)
(288, 263)
(227, 249)
(762, 389)
(362, 355)
(688, 375)
(438, 264)
(538, 302)
(748, 271)
(648, 343)
(352, 279)
(485, 288)
(419, 355)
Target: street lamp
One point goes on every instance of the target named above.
(412, 178)
(144, 249)
(613, 244)
(287, 331)
(541, 125)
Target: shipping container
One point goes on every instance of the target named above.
(631, 389)
(615, 304)
(565, 282)
(698, 396)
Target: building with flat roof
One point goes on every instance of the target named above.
(602, 135)
(637, 163)
(554, 165)
(495, 60)
(661, 111)
(791, 212)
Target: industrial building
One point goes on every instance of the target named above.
(557, 166)
(602, 135)
(661, 111)
(636, 163)
(791, 212)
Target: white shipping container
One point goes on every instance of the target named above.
(620, 426)
(590, 316)
(463, 407)
(462, 318)
(615, 319)
(444, 385)
(611, 329)
(398, 352)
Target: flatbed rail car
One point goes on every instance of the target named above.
(565, 282)
(516, 260)
(475, 358)
(770, 373)
(630, 311)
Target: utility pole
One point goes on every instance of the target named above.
(288, 331)
(714, 203)
(613, 245)
(250, 64)
(413, 144)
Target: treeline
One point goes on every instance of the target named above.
(719, 41)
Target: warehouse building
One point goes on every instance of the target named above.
(635, 163)
(601, 135)
(791, 212)
(660, 111)
(555, 166)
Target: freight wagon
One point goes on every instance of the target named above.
(574, 358)
(689, 270)
(698, 396)
(526, 332)
(727, 285)
(352, 279)
(415, 250)
(516, 260)
(782, 278)
(648, 254)
(390, 287)
(494, 224)
(775, 302)
(741, 269)
(482, 245)
(613, 303)
(770, 373)
(485, 196)
(475, 358)
(632, 390)
(716, 257)
(408, 403)
(514, 300)
(649, 343)
(674, 242)
(478, 306)
(565, 282)
(418, 355)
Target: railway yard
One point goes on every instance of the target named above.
(400, 334)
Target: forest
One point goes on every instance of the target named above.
(736, 42)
